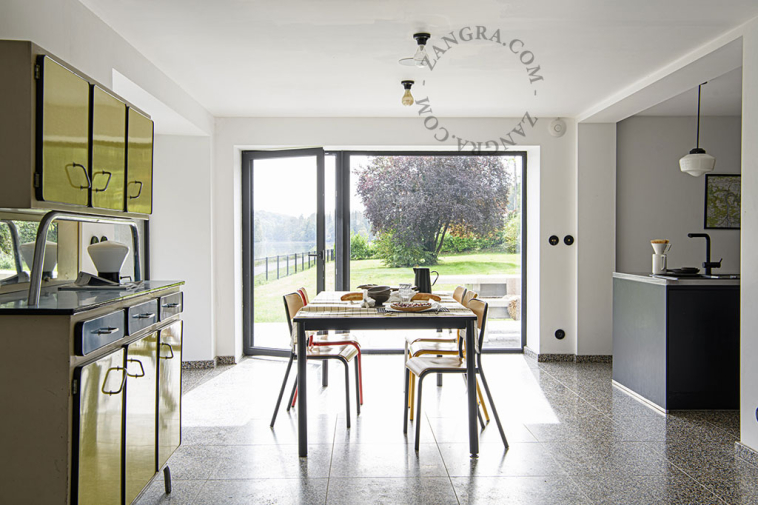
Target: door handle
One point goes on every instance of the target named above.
(105, 381)
(107, 183)
(86, 175)
(142, 369)
(171, 350)
(138, 192)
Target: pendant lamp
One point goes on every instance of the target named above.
(697, 162)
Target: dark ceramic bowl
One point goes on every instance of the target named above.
(380, 294)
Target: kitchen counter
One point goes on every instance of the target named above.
(676, 341)
(56, 300)
(673, 280)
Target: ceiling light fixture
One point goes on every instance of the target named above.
(420, 58)
(407, 99)
(697, 162)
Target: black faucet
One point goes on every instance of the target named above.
(708, 264)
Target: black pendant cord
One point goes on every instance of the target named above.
(697, 138)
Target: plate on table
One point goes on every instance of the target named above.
(411, 306)
(684, 271)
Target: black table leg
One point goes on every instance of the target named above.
(302, 392)
(325, 373)
(473, 438)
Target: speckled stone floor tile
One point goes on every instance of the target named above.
(616, 458)
(574, 439)
(424, 490)
(387, 460)
(519, 460)
(262, 491)
(184, 492)
(674, 488)
(550, 490)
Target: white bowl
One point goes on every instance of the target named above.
(51, 255)
(108, 256)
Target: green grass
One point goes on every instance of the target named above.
(268, 295)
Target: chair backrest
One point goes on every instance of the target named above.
(479, 307)
(304, 295)
(459, 293)
(470, 295)
(292, 304)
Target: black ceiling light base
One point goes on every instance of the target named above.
(421, 38)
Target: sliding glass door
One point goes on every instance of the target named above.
(284, 235)
(338, 220)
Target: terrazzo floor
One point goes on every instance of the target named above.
(574, 439)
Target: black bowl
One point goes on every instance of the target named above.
(380, 294)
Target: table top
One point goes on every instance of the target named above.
(327, 307)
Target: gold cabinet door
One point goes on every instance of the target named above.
(169, 391)
(62, 135)
(139, 164)
(98, 430)
(108, 150)
(140, 429)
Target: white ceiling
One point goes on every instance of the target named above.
(338, 58)
(720, 97)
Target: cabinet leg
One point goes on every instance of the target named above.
(167, 479)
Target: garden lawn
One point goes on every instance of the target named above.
(269, 306)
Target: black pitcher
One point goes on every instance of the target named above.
(424, 279)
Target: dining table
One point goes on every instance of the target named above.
(327, 311)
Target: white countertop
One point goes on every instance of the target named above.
(672, 280)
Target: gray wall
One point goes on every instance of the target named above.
(654, 199)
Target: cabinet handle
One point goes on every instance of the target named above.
(123, 381)
(142, 369)
(171, 350)
(86, 175)
(170, 305)
(146, 315)
(105, 331)
(107, 183)
(140, 189)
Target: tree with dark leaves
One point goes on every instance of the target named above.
(418, 200)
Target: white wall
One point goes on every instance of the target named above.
(551, 281)
(596, 213)
(656, 200)
(180, 231)
(749, 295)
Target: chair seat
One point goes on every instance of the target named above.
(339, 337)
(347, 352)
(433, 347)
(430, 337)
(424, 364)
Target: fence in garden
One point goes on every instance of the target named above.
(283, 265)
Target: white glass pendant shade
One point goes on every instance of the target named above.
(697, 163)
(420, 57)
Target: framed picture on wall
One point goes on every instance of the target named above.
(722, 202)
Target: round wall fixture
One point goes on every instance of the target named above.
(560, 334)
(557, 127)
(553, 240)
(568, 240)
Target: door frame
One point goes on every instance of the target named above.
(342, 229)
(248, 276)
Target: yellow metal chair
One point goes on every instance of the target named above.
(440, 347)
(421, 366)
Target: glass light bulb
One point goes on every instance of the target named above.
(420, 57)
(407, 98)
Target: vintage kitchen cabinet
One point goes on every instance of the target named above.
(66, 139)
(92, 403)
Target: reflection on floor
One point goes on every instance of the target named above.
(574, 439)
